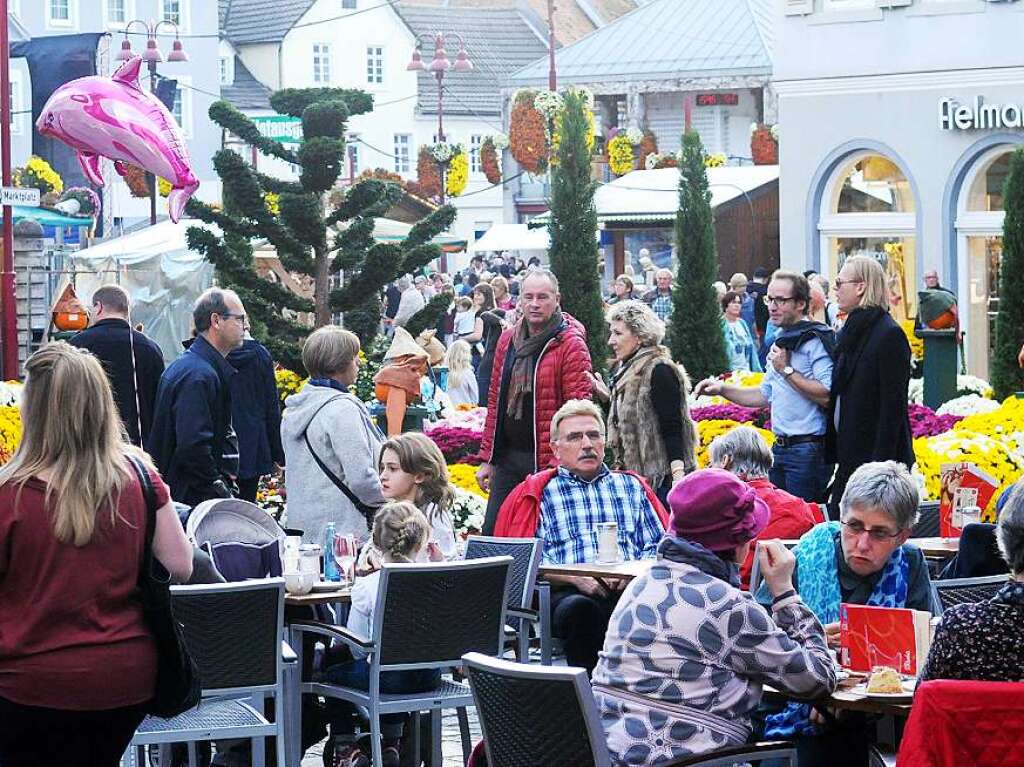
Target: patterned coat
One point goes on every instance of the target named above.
(687, 653)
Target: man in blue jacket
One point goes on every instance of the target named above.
(255, 415)
(193, 403)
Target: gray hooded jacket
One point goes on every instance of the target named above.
(347, 442)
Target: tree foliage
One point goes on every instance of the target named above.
(314, 241)
(574, 253)
(695, 326)
(1007, 377)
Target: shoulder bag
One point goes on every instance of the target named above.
(178, 686)
(365, 509)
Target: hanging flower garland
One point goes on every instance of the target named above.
(620, 154)
(764, 144)
(490, 161)
(528, 134)
(428, 175)
(458, 172)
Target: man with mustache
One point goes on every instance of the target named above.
(564, 507)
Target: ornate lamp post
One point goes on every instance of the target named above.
(440, 65)
(152, 56)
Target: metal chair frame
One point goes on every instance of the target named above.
(927, 525)
(200, 723)
(987, 583)
(580, 682)
(520, 606)
(448, 695)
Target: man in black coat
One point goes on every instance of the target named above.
(133, 378)
(193, 404)
(255, 415)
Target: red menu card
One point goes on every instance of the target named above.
(963, 484)
(883, 636)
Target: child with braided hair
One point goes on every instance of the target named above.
(400, 534)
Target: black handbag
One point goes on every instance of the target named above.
(178, 687)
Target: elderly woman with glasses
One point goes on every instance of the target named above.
(985, 641)
(862, 559)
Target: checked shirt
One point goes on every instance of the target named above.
(570, 509)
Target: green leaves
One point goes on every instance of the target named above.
(229, 118)
(293, 101)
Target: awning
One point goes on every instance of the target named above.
(652, 196)
(389, 230)
(511, 237)
(47, 217)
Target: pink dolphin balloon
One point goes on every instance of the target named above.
(115, 118)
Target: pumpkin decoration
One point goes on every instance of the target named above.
(69, 312)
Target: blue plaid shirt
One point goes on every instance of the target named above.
(661, 304)
(570, 509)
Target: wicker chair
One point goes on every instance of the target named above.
(534, 716)
(959, 591)
(525, 553)
(427, 616)
(233, 631)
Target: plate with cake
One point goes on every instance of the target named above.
(886, 684)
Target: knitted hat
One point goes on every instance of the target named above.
(716, 509)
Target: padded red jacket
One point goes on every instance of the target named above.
(563, 373)
(965, 723)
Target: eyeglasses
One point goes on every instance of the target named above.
(777, 300)
(230, 316)
(840, 283)
(854, 528)
(575, 437)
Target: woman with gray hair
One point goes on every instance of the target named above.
(744, 452)
(985, 641)
(649, 427)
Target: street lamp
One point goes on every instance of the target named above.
(440, 65)
(152, 56)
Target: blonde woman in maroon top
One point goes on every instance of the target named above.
(77, 661)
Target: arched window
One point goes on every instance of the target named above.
(868, 209)
(979, 228)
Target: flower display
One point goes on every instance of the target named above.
(1007, 419)
(764, 144)
(730, 412)
(88, 200)
(10, 393)
(10, 431)
(472, 419)
(620, 155)
(468, 513)
(715, 160)
(744, 378)
(270, 496)
(968, 404)
(916, 344)
(548, 103)
(707, 431)
(924, 422)
(288, 383)
(463, 476)
(964, 385)
(38, 174)
(442, 151)
(428, 175)
(528, 134)
(490, 160)
(458, 172)
(458, 443)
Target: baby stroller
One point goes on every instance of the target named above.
(242, 540)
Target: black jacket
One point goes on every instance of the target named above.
(255, 410)
(873, 420)
(191, 422)
(109, 341)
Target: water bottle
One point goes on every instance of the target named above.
(331, 572)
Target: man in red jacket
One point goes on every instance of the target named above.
(540, 363)
(564, 506)
(745, 453)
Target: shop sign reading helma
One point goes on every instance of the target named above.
(979, 115)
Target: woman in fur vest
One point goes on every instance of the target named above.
(649, 427)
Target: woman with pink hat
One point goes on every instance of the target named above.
(687, 652)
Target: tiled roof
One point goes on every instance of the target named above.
(498, 41)
(246, 92)
(668, 39)
(261, 21)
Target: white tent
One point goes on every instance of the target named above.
(511, 237)
(162, 276)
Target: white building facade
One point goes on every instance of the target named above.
(896, 125)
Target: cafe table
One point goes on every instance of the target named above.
(850, 696)
(602, 573)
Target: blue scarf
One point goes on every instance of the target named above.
(816, 554)
(328, 383)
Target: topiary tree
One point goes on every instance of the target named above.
(1007, 377)
(695, 326)
(315, 241)
(574, 254)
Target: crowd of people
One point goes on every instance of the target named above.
(678, 658)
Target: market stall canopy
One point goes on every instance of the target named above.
(652, 196)
(389, 230)
(511, 237)
(162, 276)
(47, 217)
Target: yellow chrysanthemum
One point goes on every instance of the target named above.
(458, 174)
(916, 344)
(708, 430)
(10, 432)
(463, 476)
(620, 155)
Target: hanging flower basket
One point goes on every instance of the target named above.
(458, 172)
(764, 146)
(620, 155)
(135, 178)
(490, 161)
(528, 139)
(428, 175)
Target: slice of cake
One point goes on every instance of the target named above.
(884, 680)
